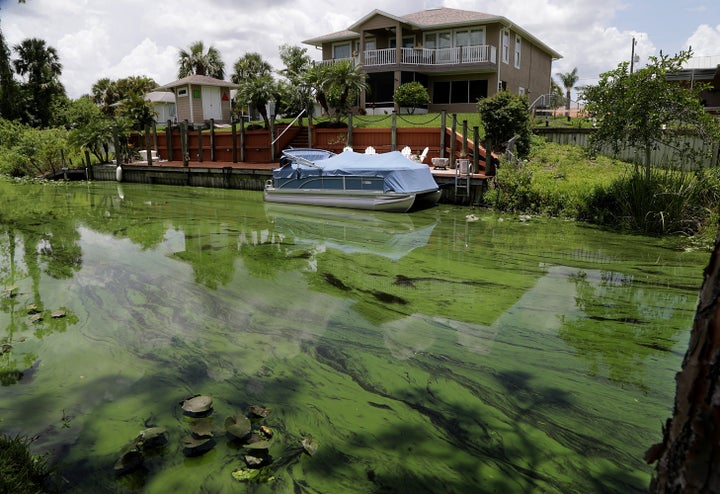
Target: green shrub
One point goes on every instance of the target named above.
(411, 95)
(21, 472)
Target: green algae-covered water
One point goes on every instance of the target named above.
(421, 353)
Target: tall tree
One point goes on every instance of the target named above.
(568, 81)
(197, 61)
(107, 93)
(8, 84)
(343, 81)
(41, 67)
(297, 64)
(643, 108)
(688, 459)
(256, 86)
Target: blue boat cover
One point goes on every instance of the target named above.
(399, 173)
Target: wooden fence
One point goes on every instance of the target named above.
(662, 156)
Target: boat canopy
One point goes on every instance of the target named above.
(399, 173)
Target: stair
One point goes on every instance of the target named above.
(301, 139)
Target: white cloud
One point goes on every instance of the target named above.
(705, 41)
(103, 38)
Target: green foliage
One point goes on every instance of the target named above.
(411, 95)
(556, 180)
(642, 108)
(669, 202)
(21, 472)
(561, 180)
(341, 83)
(27, 151)
(111, 95)
(297, 93)
(504, 116)
(256, 85)
(198, 61)
(40, 65)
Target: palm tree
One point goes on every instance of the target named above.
(568, 80)
(256, 86)
(200, 62)
(8, 85)
(343, 80)
(41, 66)
(250, 66)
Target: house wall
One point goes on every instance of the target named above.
(183, 106)
(196, 102)
(533, 75)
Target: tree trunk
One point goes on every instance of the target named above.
(688, 459)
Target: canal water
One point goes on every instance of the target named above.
(448, 350)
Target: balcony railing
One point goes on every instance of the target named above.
(425, 56)
(432, 57)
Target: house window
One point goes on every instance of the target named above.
(459, 91)
(506, 46)
(407, 42)
(470, 37)
(182, 92)
(521, 91)
(518, 51)
(341, 50)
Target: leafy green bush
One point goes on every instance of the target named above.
(21, 472)
(411, 95)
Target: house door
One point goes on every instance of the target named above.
(211, 103)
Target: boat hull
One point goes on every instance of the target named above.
(369, 200)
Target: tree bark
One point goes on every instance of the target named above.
(688, 459)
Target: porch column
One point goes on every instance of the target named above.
(361, 61)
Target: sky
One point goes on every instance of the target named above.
(120, 38)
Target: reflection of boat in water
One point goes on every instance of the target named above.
(380, 182)
(391, 236)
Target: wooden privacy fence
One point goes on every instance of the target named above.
(237, 144)
(662, 156)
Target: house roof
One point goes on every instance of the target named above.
(437, 18)
(160, 97)
(198, 80)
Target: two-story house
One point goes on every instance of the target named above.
(458, 55)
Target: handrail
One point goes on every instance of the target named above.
(286, 128)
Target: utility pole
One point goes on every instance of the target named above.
(632, 55)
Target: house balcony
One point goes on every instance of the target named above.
(479, 57)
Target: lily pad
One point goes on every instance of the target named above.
(197, 405)
(202, 427)
(36, 317)
(32, 309)
(258, 411)
(266, 431)
(11, 292)
(130, 460)
(258, 445)
(238, 426)
(152, 437)
(194, 446)
(5, 347)
(254, 475)
(310, 446)
(57, 314)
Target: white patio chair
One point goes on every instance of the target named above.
(369, 150)
(347, 148)
(423, 155)
(406, 151)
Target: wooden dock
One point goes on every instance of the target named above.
(247, 176)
